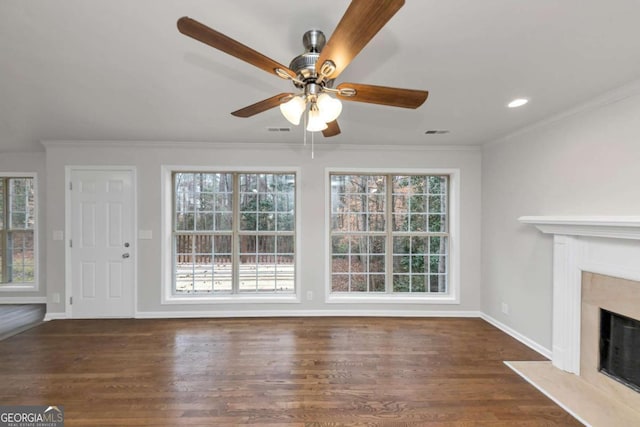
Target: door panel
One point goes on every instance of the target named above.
(102, 253)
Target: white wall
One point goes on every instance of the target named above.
(30, 163)
(587, 163)
(149, 157)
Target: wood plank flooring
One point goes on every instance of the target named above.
(275, 372)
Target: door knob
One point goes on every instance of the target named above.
(125, 255)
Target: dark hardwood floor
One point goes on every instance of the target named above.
(275, 372)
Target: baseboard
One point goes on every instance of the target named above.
(23, 300)
(517, 335)
(301, 313)
(54, 316)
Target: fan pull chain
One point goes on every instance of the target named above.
(312, 150)
(304, 128)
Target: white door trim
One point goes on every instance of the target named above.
(68, 288)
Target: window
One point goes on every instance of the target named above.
(390, 234)
(233, 233)
(17, 232)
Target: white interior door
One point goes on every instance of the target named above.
(102, 252)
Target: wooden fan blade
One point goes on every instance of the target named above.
(332, 129)
(263, 105)
(213, 38)
(362, 20)
(392, 96)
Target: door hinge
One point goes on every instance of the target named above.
(70, 243)
(70, 300)
(70, 185)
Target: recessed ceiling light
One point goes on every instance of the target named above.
(518, 102)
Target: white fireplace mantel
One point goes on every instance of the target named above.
(599, 244)
(616, 227)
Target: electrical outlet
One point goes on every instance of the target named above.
(505, 308)
(55, 298)
(309, 295)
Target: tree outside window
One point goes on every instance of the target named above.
(17, 224)
(389, 233)
(233, 232)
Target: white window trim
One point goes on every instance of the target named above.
(453, 293)
(27, 286)
(168, 297)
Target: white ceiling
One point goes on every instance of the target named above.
(120, 70)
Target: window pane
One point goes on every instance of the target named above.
(375, 222)
(376, 264)
(20, 257)
(358, 283)
(203, 201)
(418, 283)
(339, 264)
(418, 222)
(402, 245)
(266, 221)
(417, 256)
(17, 222)
(360, 227)
(248, 221)
(222, 273)
(401, 283)
(285, 222)
(223, 221)
(357, 202)
(285, 273)
(285, 244)
(266, 244)
(438, 184)
(204, 221)
(355, 260)
(266, 263)
(340, 283)
(377, 283)
(437, 223)
(184, 273)
(267, 202)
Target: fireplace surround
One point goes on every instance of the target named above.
(595, 266)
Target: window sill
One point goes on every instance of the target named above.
(232, 299)
(18, 287)
(385, 298)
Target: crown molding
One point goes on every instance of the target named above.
(48, 144)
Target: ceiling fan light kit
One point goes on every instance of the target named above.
(314, 71)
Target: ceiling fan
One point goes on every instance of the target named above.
(314, 71)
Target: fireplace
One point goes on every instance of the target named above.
(620, 348)
(595, 268)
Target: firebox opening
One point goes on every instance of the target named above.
(620, 348)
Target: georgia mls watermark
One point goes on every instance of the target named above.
(32, 416)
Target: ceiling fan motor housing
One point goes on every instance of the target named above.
(304, 65)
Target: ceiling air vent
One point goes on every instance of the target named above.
(274, 129)
(436, 132)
